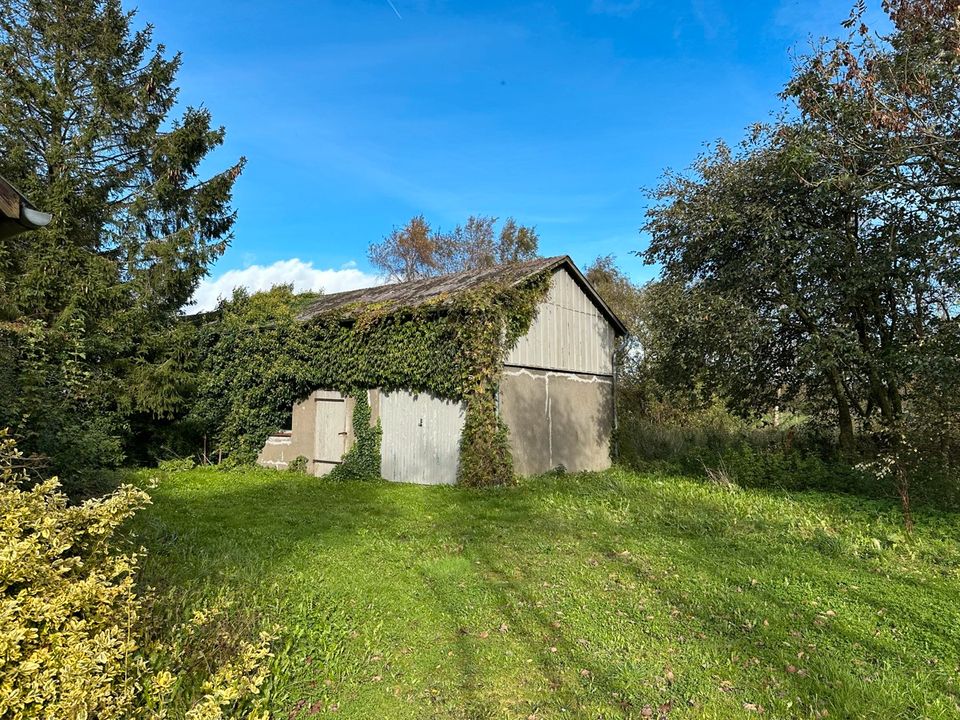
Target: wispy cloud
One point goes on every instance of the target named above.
(711, 18)
(302, 275)
(617, 8)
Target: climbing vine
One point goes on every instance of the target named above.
(362, 460)
(259, 359)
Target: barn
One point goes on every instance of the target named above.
(554, 392)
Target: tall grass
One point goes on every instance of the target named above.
(795, 455)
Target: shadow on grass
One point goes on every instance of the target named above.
(715, 567)
(869, 660)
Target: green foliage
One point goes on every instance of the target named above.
(259, 359)
(787, 469)
(484, 447)
(74, 637)
(299, 465)
(817, 263)
(362, 460)
(794, 456)
(175, 465)
(88, 131)
(54, 399)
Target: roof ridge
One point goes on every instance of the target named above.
(419, 291)
(469, 271)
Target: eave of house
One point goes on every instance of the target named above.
(17, 214)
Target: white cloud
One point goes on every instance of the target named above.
(303, 275)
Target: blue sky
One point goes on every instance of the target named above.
(354, 116)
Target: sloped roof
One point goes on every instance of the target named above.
(413, 293)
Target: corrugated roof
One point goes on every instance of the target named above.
(413, 293)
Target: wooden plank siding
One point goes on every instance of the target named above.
(569, 333)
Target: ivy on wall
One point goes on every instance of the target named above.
(258, 360)
(362, 460)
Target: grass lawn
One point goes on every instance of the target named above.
(605, 595)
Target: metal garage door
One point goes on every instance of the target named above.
(421, 438)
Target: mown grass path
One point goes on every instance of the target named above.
(595, 596)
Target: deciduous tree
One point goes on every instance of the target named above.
(417, 250)
(834, 231)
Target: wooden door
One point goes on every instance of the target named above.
(330, 431)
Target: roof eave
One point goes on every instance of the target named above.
(17, 214)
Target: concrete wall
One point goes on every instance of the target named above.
(282, 449)
(568, 333)
(557, 418)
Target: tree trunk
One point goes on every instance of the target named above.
(844, 417)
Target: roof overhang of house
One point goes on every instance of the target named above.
(17, 214)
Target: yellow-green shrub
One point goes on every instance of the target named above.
(70, 617)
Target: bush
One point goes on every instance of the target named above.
(176, 465)
(485, 458)
(792, 458)
(789, 469)
(72, 642)
(362, 460)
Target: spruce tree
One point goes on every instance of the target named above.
(89, 132)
